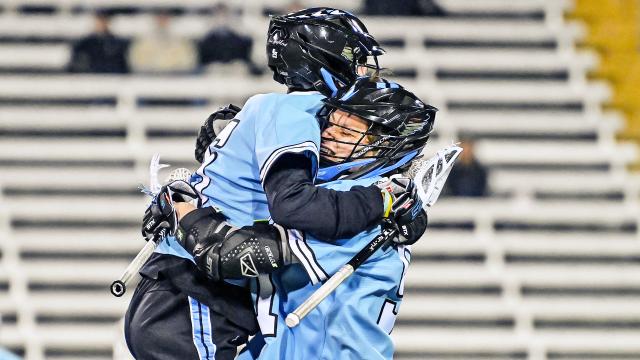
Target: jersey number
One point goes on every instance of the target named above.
(211, 156)
(224, 135)
(265, 297)
(389, 311)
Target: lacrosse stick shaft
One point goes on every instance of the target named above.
(293, 319)
(119, 287)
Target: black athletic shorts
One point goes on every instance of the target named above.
(175, 313)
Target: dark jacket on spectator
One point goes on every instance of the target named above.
(467, 179)
(224, 45)
(100, 53)
(403, 8)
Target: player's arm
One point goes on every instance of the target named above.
(222, 251)
(295, 202)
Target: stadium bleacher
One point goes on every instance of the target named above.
(547, 267)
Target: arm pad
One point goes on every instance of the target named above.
(222, 251)
(254, 250)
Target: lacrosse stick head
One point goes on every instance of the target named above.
(430, 175)
(183, 174)
(154, 168)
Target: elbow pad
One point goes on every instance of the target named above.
(222, 251)
(202, 233)
(253, 250)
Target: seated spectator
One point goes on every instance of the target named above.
(100, 52)
(161, 51)
(223, 45)
(468, 177)
(293, 6)
(403, 8)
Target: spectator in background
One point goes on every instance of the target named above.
(468, 177)
(294, 6)
(222, 44)
(403, 8)
(161, 51)
(100, 52)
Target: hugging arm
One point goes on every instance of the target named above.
(222, 251)
(295, 202)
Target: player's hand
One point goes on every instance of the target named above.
(161, 219)
(212, 127)
(401, 201)
(411, 232)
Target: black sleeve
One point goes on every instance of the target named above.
(294, 202)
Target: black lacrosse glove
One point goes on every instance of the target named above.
(401, 201)
(160, 218)
(212, 127)
(411, 232)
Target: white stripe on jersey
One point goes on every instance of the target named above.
(305, 255)
(403, 251)
(297, 149)
(205, 180)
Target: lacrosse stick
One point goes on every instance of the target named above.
(119, 287)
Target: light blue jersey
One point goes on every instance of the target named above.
(237, 161)
(352, 323)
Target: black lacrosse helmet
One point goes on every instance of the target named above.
(319, 49)
(399, 125)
